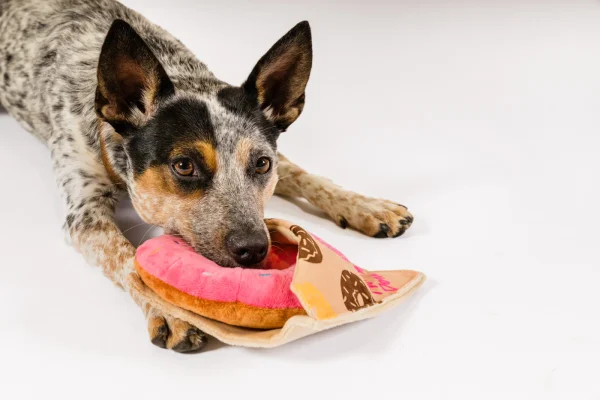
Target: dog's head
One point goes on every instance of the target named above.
(202, 163)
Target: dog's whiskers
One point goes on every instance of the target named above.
(132, 227)
(285, 177)
(148, 231)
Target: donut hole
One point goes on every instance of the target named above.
(284, 249)
(281, 256)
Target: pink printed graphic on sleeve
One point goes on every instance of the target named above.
(375, 282)
(378, 284)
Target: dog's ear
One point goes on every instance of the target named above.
(279, 79)
(131, 80)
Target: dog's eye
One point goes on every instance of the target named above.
(184, 167)
(263, 165)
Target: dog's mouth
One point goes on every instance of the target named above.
(281, 252)
(220, 256)
(222, 259)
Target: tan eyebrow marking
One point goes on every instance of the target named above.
(159, 181)
(209, 153)
(242, 151)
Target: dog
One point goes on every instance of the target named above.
(123, 106)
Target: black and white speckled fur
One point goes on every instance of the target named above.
(49, 54)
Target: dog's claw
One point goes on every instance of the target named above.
(400, 232)
(383, 231)
(407, 221)
(343, 222)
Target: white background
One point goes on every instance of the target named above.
(483, 117)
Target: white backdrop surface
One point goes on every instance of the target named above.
(481, 116)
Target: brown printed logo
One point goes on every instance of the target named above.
(355, 293)
(308, 250)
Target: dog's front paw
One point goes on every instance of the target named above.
(171, 333)
(374, 217)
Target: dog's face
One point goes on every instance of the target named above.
(203, 164)
(205, 171)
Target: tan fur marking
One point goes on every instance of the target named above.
(157, 180)
(242, 151)
(112, 174)
(209, 153)
(270, 188)
(159, 201)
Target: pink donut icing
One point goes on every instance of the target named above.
(176, 263)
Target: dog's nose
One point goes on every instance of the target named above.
(248, 248)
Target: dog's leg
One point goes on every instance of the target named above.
(374, 217)
(90, 226)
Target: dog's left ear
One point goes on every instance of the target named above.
(131, 80)
(279, 79)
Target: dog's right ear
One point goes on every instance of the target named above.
(279, 79)
(131, 80)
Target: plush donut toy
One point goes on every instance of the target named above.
(252, 298)
(304, 277)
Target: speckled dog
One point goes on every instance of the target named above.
(123, 105)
